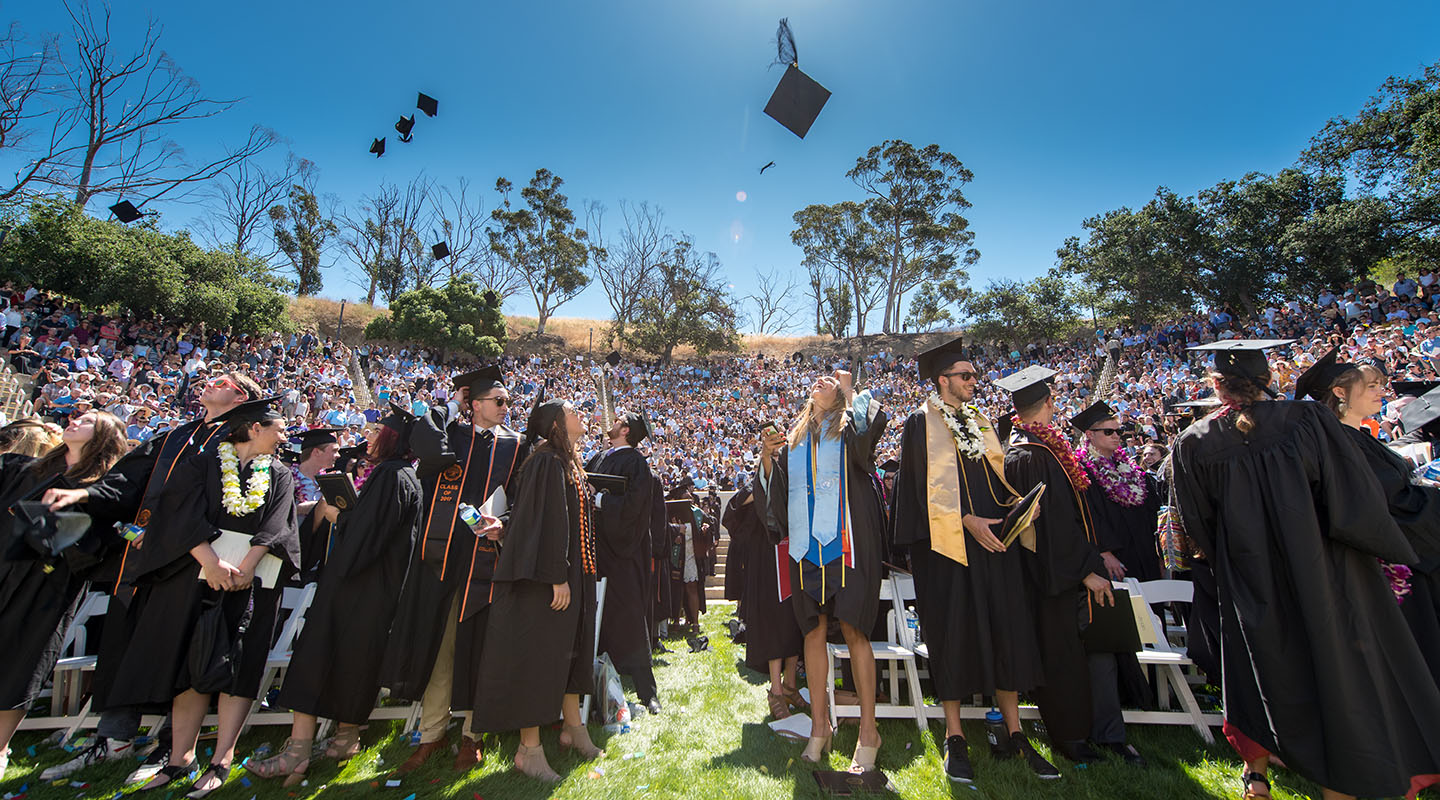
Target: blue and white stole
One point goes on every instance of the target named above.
(818, 505)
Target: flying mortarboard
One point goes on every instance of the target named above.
(798, 98)
(428, 104)
(1028, 386)
(126, 212)
(1196, 407)
(936, 360)
(404, 126)
(378, 147)
(1315, 382)
(613, 359)
(480, 380)
(440, 251)
(1096, 412)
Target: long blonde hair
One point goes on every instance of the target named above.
(28, 437)
(825, 424)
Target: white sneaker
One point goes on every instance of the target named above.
(101, 750)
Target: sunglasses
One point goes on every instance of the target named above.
(222, 382)
(1106, 431)
(964, 375)
(500, 402)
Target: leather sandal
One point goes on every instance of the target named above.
(531, 761)
(221, 771)
(345, 744)
(291, 762)
(171, 773)
(779, 706)
(795, 699)
(1248, 778)
(577, 738)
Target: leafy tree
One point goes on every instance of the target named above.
(1012, 311)
(835, 312)
(689, 304)
(916, 200)
(842, 238)
(541, 239)
(302, 230)
(458, 316)
(930, 307)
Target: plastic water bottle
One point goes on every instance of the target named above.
(995, 730)
(470, 515)
(912, 621)
(1432, 470)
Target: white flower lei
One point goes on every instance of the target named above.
(970, 441)
(235, 504)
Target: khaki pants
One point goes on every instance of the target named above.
(435, 704)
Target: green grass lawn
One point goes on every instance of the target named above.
(710, 742)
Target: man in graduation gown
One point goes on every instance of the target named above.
(434, 648)
(970, 588)
(658, 574)
(1125, 501)
(1066, 567)
(318, 450)
(131, 491)
(622, 550)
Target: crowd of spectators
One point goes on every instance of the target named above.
(705, 415)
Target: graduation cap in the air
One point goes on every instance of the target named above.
(428, 104)
(1028, 386)
(613, 359)
(404, 126)
(1243, 358)
(252, 411)
(1094, 413)
(1194, 407)
(936, 360)
(1421, 411)
(1315, 382)
(441, 250)
(481, 380)
(399, 419)
(126, 212)
(798, 98)
(378, 147)
(890, 466)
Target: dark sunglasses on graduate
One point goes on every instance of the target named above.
(1106, 431)
(500, 402)
(964, 375)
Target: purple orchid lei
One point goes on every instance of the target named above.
(1122, 480)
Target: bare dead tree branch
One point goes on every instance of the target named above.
(773, 312)
(631, 262)
(241, 199)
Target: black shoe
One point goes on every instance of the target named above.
(1077, 750)
(1043, 769)
(1005, 749)
(1127, 752)
(653, 705)
(957, 760)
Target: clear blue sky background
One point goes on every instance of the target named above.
(1061, 109)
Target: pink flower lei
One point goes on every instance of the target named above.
(1122, 480)
(1398, 576)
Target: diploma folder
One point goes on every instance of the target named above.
(1020, 517)
(232, 548)
(615, 484)
(1109, 629)
(338, 489)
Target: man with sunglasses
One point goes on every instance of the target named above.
(439, 629)
(129, 491)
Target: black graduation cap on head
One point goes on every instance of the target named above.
(1195, 407)
(1315, 382)
(440, 251)
(252, 411)
(890, 466)
(404, 126)
(399, 419)
(126, 212)
(1028, 386)
(1421, 411)
(543, 418)
(428, 104)
(1243, 358)
(1096, 412)
(639, 425)
(348, 454)
(378, 147)
(936, 360)
(481, 380)
(798, 98)
(1413, 388)
(317, 437)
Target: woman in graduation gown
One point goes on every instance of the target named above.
(1319, 666)
(241, 487)
(335, 670)
(1356, 393)
(40, 593)
(835, 541)
(544, 604)
(772, 637)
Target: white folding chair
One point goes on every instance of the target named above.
(1169, 661)
(297, 602)
(890, 652)
(595, 648)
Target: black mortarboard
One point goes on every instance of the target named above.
(1028, 386)
(890, 466)
(1196, 407)
(1315, 382)
(797, 101)
(1096, 412)
(798, 357)
(678, 489)
(47, 532)
(480, 380)
(613, 359)
(1413, 388)
(543, 418)
(440, 251)
(378, 147)
(639, 425)
(1421, 411)
(1242, 358)
(404, 126)
(399, 419)
(348, 454)
(936, 360)
(125, 211)
(252, 411)
(317, 437)
(428, 104)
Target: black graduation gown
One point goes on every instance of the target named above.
(1319, 666)
(991, 645)
(657, 576)
(622, 548)
(856, 599)
(1064, 554)
(449, 557)
(1128, 532)
(735, 563)
(770, 628)
(169, 592)
(335, 670)
(548, 654)
(36, 606)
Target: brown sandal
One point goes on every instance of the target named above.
(345, 744)
(531, 761)
(779, 705)
(292, 761)
(577, 738)
(795, 699)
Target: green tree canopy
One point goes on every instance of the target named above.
(540, 238)
(458, 316)
(689, 305)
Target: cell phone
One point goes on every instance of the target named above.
(769, 428)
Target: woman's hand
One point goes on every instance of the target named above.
(491, 528)
(244, 576)
(220, 575)
(561, 598)
(57, 499)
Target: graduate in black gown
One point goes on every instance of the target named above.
(1067, 571)
(334, 672)
(1356, 393)
(190, 598)
(317, 452)
(657, 576)
(823, 470)
(772, 636)
(544, 606)
(40, 591)
(130, 492)
(1319, 666)
(971, 592)
(622, 550)
(439, 634)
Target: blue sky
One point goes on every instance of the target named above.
(1061, 110)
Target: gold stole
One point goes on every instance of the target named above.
(944, 484)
